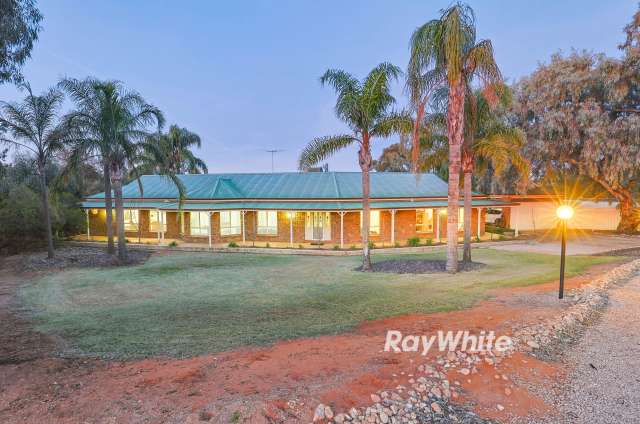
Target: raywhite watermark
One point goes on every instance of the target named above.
(447, 341)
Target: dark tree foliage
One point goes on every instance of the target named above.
(19, 27)
(581, 114)
(21, 211)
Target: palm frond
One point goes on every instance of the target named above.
(321, 148)
(393, 123)
(481, 62)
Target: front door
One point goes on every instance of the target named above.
(317, 226)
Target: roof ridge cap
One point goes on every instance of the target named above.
(335, 185)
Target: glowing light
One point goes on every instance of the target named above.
(94, 211)
(442, 212)
(564, 212)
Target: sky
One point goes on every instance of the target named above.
(244, 75)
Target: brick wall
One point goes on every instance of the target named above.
(405, 227)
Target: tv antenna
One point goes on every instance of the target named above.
(273, 152)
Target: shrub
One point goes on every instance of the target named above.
(235, 417)
(372, 245)
(352, 247)
(396, 244)
(267, 245)
(173, 244)
(300, 246)
(232, 244)
(413, 241)
(336, 247)
(428, 242)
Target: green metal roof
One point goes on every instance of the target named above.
(293, 205)
(288, 185)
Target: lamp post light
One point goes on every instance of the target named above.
(564, 213)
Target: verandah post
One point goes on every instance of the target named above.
(393, 227)
(244, 238)
(291, 215)
(438, 226)
(342, 229)
(88, 225)
(209, 213)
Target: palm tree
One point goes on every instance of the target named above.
(171, 153)
(490, 141)
(34, 126)
(449, 43)
(421, 86)
(109, 122)
(364, 107)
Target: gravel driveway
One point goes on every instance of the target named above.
(578, 244)
(604, 386)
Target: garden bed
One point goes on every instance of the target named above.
(74, 257)
(424, 266)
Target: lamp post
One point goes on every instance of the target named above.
(564, 213)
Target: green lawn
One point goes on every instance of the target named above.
(187, 304)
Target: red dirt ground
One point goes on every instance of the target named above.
(280, 383)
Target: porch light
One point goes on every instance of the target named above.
(94, 211)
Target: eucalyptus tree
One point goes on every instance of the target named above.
(109, 122)
(33, 125)
(449, 43)
(19, 28)
(365, 107)
(490, 141)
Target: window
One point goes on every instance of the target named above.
(157, 221)
(424, 220)
(130, 220)
(230, 223)
(268, 223)
(374, 222)
(199, 223)
(460, 219)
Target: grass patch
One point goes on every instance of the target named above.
(188, 304)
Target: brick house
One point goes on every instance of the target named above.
(290, 208)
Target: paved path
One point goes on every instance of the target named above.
(609, 391)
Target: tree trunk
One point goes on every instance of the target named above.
(364, 157)
(415, 139)
(46, 208)
(108, 209)
(629, 218)
(455, 128)
(116, 176)
(466, 251)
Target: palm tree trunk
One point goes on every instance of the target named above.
(365, 165)
(116, 175)
(46, 208)
(415, 138)
(466, 251)
(455, 128)
(108, 209)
